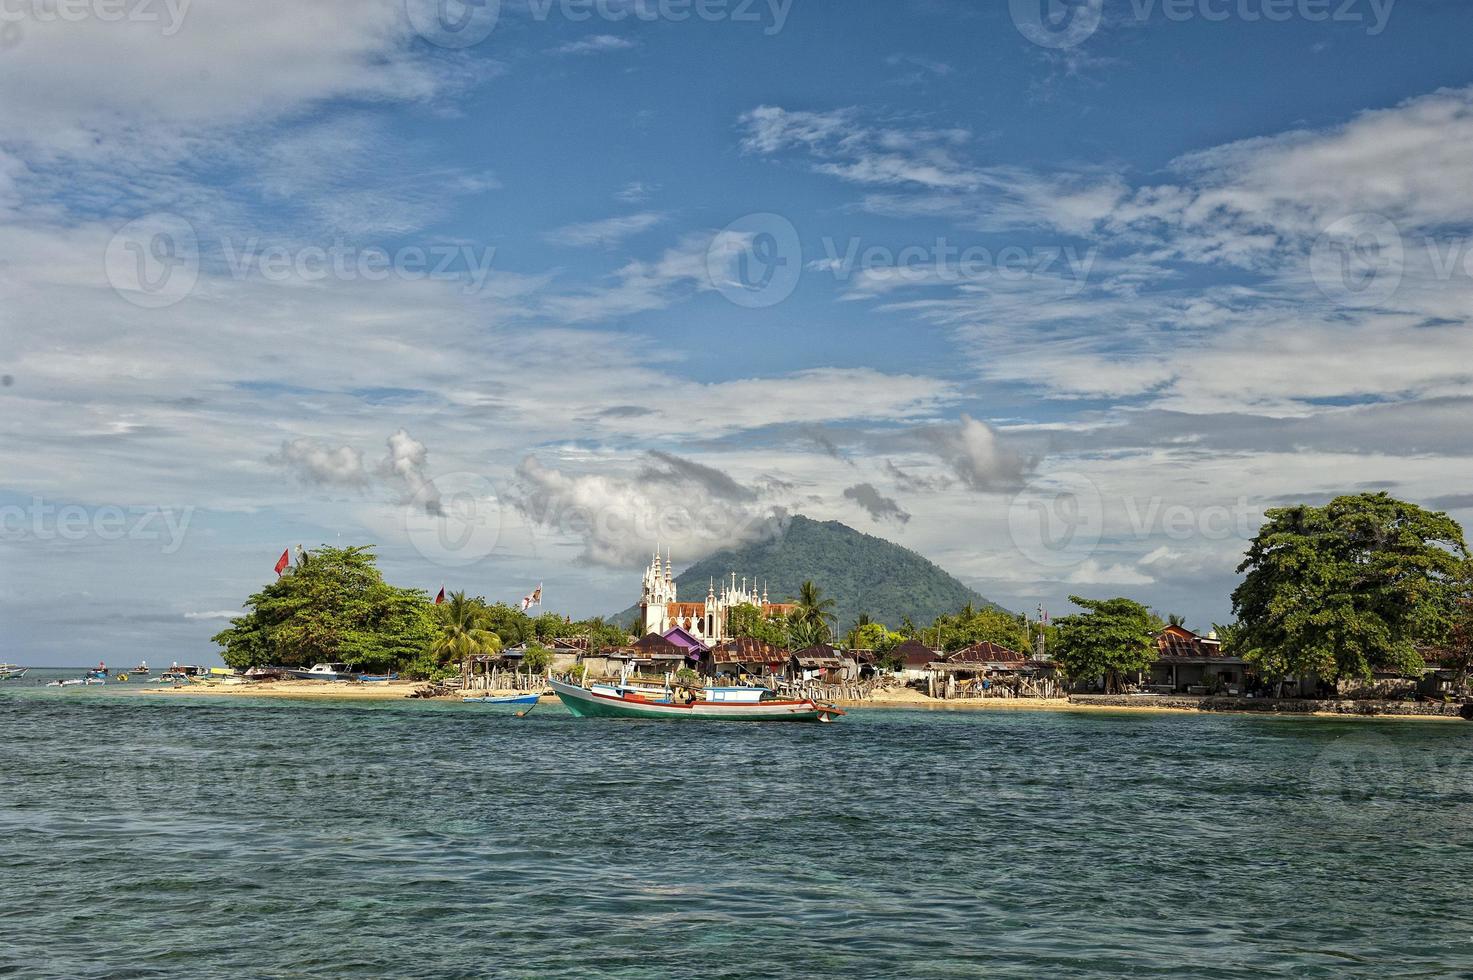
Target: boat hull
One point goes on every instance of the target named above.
(519, 700)
(589, 704)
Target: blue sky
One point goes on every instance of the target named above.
(1065, 317)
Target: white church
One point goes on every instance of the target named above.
(661, 610)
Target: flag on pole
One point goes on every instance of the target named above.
(441, 597)
(535, 599)
(283, 562)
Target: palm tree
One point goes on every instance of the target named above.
(803, 634)
(1176, 619)
(463, 633)
(813, 607)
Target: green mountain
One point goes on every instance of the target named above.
(865, 574)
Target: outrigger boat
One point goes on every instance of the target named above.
(9, 671)
(721, 704)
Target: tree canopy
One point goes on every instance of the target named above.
(333, 606)
(1349, 588)
(1111, 637)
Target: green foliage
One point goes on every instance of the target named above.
(1348, 588)
(333, 606)
(576, 672)
(815, 612)
(874, 636)
(747, 620)
(1111, 637)
(861, 573)
(686, 677)
(537, 659)
(464, 631)
(951, 633)
(806, 633)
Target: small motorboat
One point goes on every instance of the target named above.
(325, 672)
(98, 673)
(141, 670)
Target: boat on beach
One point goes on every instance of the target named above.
(600, 703)
(325, 672)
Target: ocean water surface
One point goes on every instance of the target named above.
(150, 835)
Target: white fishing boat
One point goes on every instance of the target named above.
(11, 671)
(325, 672)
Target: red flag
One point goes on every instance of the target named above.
(283, 561)
(441, 597)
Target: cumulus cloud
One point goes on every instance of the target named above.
(620, 515)
(317, 464)
(402, 469)
(970, 448)
(879, 507)
(406, 463)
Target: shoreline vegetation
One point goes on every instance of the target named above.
(1362, 607)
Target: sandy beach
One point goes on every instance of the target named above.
(310, 690)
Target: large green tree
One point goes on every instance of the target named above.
(1348, 588)
(1111, 637)
(333, 606)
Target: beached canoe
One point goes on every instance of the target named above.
(519, 700)
(599, 704)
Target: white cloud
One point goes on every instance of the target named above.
(594, 45)
(605, 232)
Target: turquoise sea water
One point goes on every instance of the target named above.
(148, 836)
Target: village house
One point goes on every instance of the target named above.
(915, 659)
(822, 662)
(743, 656)
(1188, 663)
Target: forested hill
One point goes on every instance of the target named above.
(865, 574)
